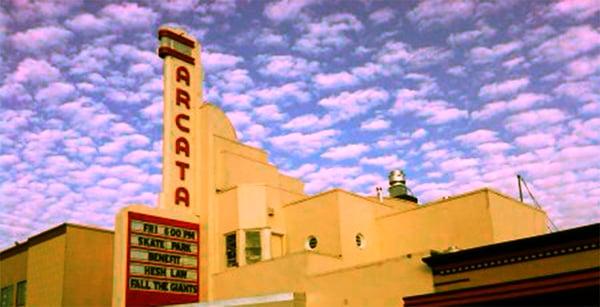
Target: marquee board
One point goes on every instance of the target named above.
(162, 261)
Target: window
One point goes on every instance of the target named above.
(253, 250)
(360, 240)
(311, 242)
(6, 296)
(21, 292)
(231, 250)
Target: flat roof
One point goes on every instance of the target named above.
(45, 236)
(574, 235)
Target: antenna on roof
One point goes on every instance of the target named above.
(551, 226)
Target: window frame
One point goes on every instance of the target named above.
(254, 252)
(228, 262)
(18, 302)
(10, 299)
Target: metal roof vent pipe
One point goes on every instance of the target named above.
(398, 188)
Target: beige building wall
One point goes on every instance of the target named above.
(13, 267)
(46, 272)
(68, 265)
(88, 266)
(512, 219)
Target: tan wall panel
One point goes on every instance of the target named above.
(252, 206)
(317, 216)
(45, 272)
(13, 269)
(378, 284)
(291, 184)
(286, 274)
(239, 169)
(88, 267)
(513, 220)
(462, 221)
(276, 199)
(228, 211)
(357, 216)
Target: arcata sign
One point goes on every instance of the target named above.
(182, 146)
(162, 261)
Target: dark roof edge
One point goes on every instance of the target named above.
(589, 232)
(45, 236)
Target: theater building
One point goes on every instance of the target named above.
(232, 230)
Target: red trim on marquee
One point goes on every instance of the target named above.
(158, 298)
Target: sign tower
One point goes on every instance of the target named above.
(157, 254)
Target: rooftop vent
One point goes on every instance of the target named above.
(398, 188)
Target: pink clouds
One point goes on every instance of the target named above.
(582, 91)
(233, 80)
(387, 162)
(438, 12)
(521, 102)
(535, 140)
(383, 15)
(269, 112)
(435, 112)
(301, 171)
(305, 143)
(286, 66)
(214, 61)
(239, 119)
(289, 91)
(328, 34)
(458, 164)
(88, 23)
(419, 133)
(55, 92)
(375, 124)
(583, 66)
(536, 118)
(37, 40)
(477, 137)
(395, 52)
(483, 55)
(330, 177)
(237, 101)
(495, 90)
(349, 104)
(307, 122)
(345, 151)
(483, 31)
(283, 10)
(130, 15)
(35, 71)
(335, 80)
(8, 160)
(580, 9)
(576, 40)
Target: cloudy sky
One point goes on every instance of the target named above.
(460, 94)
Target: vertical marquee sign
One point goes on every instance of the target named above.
(162, 261)
(156, 255)
(182, 94)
